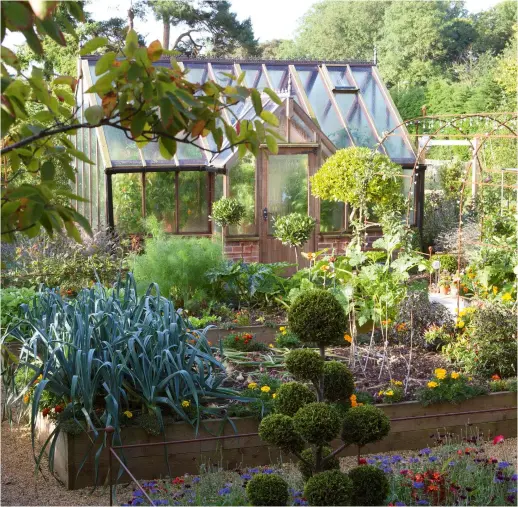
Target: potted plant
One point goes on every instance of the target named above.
(444, 283)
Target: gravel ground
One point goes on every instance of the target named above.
(21, 487)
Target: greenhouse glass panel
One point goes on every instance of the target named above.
(278, 76)
(242, 188)
(332, 216)
(359, 126)
(161, 198)
(219, 71)
(383, 117)
(198, 72)
(193, 196)
(287, 186)
(189, 154)
(254, 76)
(127, 203)
(325, 112)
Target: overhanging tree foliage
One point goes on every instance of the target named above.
(148, 103)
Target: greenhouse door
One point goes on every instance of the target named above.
(285, 190)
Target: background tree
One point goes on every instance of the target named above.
(338, 30)
(206, 25)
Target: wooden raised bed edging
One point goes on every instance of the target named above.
(409, 430)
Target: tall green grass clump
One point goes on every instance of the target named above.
(178, 265)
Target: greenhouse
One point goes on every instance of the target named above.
(325, 106)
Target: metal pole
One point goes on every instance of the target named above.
(109, 433)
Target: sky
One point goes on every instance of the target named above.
(271, 19)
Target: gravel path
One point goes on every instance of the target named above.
(21, 487)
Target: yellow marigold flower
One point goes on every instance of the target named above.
(324, 268)
(396, 382)
(455, 375)
(310, 255)
(128, 414)
(252, 385)
(390, 392)
(463, 313)
(495, 290)
(266, 389)
(26, 398)
(186, 403)
(440, 373)
(348, 338)
(282, 328)
(270, 345)
(431, 385)
(460, 324)
(507, 297)
(274, 395)
(470, 378)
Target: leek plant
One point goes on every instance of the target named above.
(109, 351)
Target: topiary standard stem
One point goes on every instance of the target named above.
(318, 459)
(320, 390)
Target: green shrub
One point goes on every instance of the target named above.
(489, 345)
(305, 364)
(370, 486)
(317, 423)
(448, 262)
(338, 381)
(279, 430)
(364, 397)
(364, 425)
(178, 265)
(267, 489)
(11, 299)
(227, 211)
(499, 385)
(309, 456)
(292, 396)
(316, 316)
(329, 488)
(288, 340)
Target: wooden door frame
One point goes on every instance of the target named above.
(314, 160)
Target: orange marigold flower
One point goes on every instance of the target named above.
(495, 377)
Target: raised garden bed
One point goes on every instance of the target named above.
(413, 427)
(262, 334)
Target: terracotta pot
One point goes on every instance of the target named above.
(445, 289)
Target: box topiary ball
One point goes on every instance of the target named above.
(364, 425)
(329, 488)
(370, 486)
(317, 423)
(292, 396)
(305, 364)
(338, 381)
(316, 316)
(267, 489)
(309, 455)
(279, 430)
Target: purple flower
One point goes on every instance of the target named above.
(503, 464)
(451, 463)
(511, 499)
(498, 479)
(512, 490)
(246, 477)
(423, 502)
(224, 491)
(426, 451)
(268, 471)
(138, 493)
(371, 461)
(254, 470)
(396, 459)
(400, 503)
(299, 501)
(418, 484)
(432, 458)
(196, 480)
(413, 460)
(514, 477)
